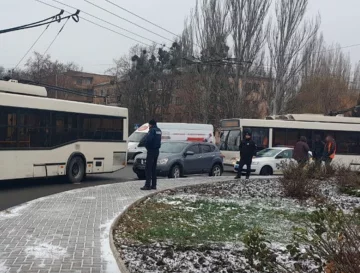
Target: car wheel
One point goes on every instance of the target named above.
(141, 175)
(216, 170)
(175, 172)
(76, 170)
(266, 170)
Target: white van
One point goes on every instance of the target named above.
(171, 132)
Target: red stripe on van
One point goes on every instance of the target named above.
(195, 139)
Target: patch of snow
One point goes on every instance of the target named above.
(14, 212)
(46, 251)
(106, 252)
(88, 198)
(3, 267)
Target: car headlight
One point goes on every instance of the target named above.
(255, 163)
(162, 161)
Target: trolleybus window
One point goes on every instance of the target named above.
(31, 128)
(260, 136)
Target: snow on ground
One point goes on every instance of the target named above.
(3, 267)
(259, 195)
(106, 252)
(46, 251)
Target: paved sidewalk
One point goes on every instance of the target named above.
(69, 232)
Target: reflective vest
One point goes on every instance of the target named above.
(329, 146)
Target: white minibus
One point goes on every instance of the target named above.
(171, 132)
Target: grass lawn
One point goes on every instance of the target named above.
(205, 220)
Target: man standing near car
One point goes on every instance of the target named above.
(301, 151)
(318, 150)
(152, 143)
(247, 152)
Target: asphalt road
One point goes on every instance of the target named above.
(13, 193)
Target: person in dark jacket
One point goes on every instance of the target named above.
(329, 150)
(247, 152)
(152, 143)
(301, 151)
(318, 150)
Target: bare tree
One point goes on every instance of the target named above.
(209, 30)
(40, 67)
(356, 77)
(249, 36)
(2, 71)
(289, 36)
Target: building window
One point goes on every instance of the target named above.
(79, 81)
(178, 101)
(87, 81)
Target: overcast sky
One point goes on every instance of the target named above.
(94, 48)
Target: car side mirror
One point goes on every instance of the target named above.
(189, 153)
(279, 157)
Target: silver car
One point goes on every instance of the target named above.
(177, 159)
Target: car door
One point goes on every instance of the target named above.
(191, 162)
(282, 158)
(207, 157)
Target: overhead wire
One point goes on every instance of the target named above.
(98, 18)
(122, 18)
(142, 18)
(57, 18)
(31, 47)
(57, 35)
(89, 21)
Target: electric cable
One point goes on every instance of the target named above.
(27, 52)
(89, 21)
(57, 35)
(142, 18)
(57, 18)
(128, 20)
(96, 17)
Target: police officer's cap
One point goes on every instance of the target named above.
(152, 122)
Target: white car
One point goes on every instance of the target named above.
(269, 161)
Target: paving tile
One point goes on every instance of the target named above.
(69, 231)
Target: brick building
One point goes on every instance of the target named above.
(89, 87)
(255, 88)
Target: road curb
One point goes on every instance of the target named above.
(120, 262)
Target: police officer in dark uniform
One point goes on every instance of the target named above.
(152, 143)
(247, 152)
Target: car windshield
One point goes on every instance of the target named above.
(136, 137)
(268, 153)
(172, 147)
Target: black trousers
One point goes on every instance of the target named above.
(150, 168)
(242, 163)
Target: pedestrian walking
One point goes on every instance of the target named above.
(152, 143)
(247, 152)
(329, 150)
(318, 150)
(301, 151)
